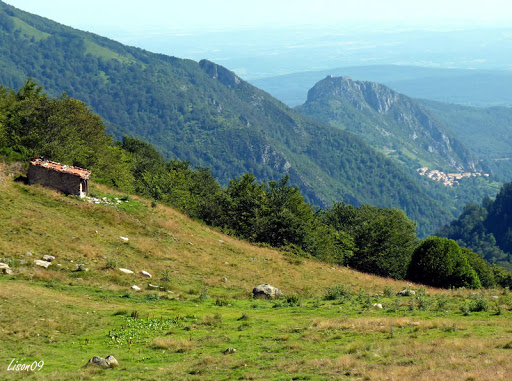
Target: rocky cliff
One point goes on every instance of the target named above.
(391, 122)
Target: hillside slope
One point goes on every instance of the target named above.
(205, 114)
(390, 122)
(485, 131)
(325, 326)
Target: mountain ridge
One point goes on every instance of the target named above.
(390, 122)
(205, 114)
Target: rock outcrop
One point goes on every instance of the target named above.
(107, 362)
(266, 291)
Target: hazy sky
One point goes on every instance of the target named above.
(98, 15)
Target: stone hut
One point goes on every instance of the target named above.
(64, 178)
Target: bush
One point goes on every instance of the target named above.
(482, 268)
(337, 293)
(440, 262)
(479, 303)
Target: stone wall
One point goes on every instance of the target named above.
(64, 182)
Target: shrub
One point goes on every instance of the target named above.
(440, 262)
(482, 268)
(388, 292)
(479, 303)
(337, 293)
(111, 263)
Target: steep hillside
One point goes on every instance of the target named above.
(391, 122)
(487, 132)
(203, 113)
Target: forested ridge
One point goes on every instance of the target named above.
(205, 114)
(367, 238)
(486, 228)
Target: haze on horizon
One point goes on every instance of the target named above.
(232, 14)
(263, 38)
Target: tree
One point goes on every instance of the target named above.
(243, 205)
(285, 217)
(440, 262)
(384, 238)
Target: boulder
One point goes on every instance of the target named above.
(126, 271)
(108, 362)
(229, 351)
(377, 305)
(267, 291)
(5, 269)
(41, 263)
(135, 288)
(145, 274)
(48, 258)
(80, 267)
(406, 292)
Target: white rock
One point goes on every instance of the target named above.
(48, 258)
(3, 266)
(124, 238)
(377, 305)
(406, 292)
(146, 274)
(267, 291)
(153, 286)
(135, 288)
(44, 264)
(126, 271)
(230, 351)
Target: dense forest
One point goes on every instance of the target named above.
(367, 238)
(206, 115)
(486, 228)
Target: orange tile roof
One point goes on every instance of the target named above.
(76, 171)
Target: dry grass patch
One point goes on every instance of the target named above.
(172, 344)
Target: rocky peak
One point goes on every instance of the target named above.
(220, 73)
(361, 94)
(387, 120)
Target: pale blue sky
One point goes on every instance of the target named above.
(98, 15)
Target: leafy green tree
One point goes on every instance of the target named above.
(285, 217)
(243, 205)
(328, 244)
(440, 262)
(384, 239)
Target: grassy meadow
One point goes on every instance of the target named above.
(328, 325)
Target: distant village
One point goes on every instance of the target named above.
(448, 179)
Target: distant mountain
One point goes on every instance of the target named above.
(203, 113)
(481, 88)
(487, 132)
(390, 122)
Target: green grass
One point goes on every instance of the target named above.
(325, 327)
(29, 31)
(102, 52)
